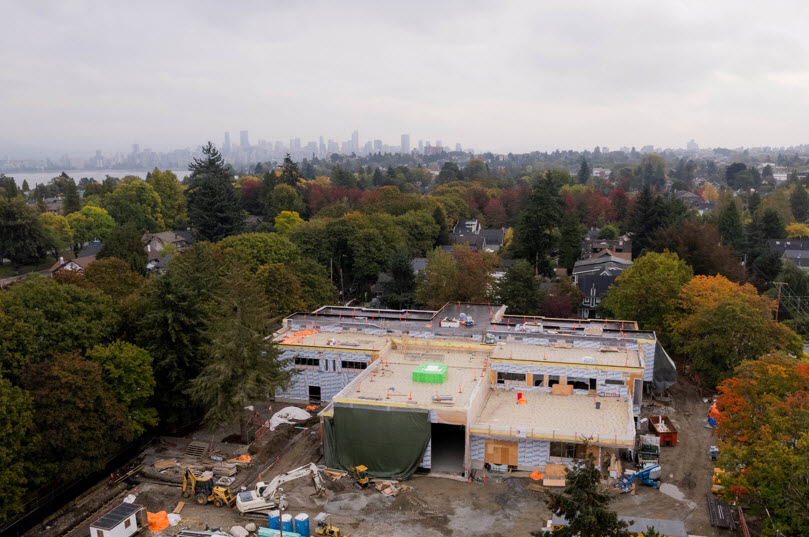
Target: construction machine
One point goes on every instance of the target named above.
(360, 475)
(648, 476)
(204, 491)
(324, 528)
(266, 495)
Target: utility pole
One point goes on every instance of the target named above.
(778, 300)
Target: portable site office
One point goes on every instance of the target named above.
(122, 521)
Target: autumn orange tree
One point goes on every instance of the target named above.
(763, 427)
(718, 324)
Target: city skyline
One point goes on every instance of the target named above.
(495, 77)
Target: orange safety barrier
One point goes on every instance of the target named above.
(245, 458)
(536, 475)
(305, 333)
(158, 521)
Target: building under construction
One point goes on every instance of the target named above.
(452, 390)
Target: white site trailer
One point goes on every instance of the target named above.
(121, 521)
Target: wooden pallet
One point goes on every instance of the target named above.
(196, 449)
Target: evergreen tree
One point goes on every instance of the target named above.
(8, 186)
(583, 503)
(570, 242)
(440, 218)
(645, 218)
(799, 201)
(23, 236)
(772, 225)
(753, 202)
(124, 243)
(72, 202)
(534, 237)
(213, 206)
(25, 187)
(342, 177)
(519, 289)
(399, 293)
(584, 172)
(290, 175)
(242, 362)
(378, 178)
(730, 226)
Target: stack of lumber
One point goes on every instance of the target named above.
(162, 464)
(554, 475)
(224, 468)
(334, 474)
(390, 488)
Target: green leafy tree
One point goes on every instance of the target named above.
(287, 221)
(89, 224)
(251, 250)
(440, 218)
(342, 177)
(718, 324)
(59, 229)
(519, 289)
(76, 415)
(399, 293)
(437, 284)
(72, 202)
(18, 446)
(570, 242)
(65, 318)
(172, 197)
(534, 235)
(420, 230)
(125, 244)
(213, 206)
(8, 186)
(18, 346)
(584, 504)
(652, 170)
(645, 217)
(609, 232)
(242, 364)
(23, 237)
(283, 289)
(283, 198)
(127, 370)
(799, 202)
(136, 202)
(647, 291)
(172, 328)
(762, 424)
(730, 226)
(584, 172)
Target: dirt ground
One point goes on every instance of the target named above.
(437, 506)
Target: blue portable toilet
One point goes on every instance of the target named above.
(302, 524)
(286, 522)
(275, 520)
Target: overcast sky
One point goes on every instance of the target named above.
(506, 76)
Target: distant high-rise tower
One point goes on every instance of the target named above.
(405, 144)
(322, 147)
(421, 146)
(458, 147)
(226, 146)
(355, 141)
(243, 141)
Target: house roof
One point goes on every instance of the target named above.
(782, 245)
(494, 237)
(116, 515)
(601, 263)
(82, 262)
(586, 282)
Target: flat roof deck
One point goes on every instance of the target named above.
(574, 355)
(559, 417)
(344, 341)
(389, 381)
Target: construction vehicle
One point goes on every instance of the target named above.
(648, 476)
(360, 475)
(324, 528)
(266, 495)
(716, 485)
(204, 491)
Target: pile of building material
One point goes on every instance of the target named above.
(390, 488)
(554, 475)
(227, 469)
(163, 464)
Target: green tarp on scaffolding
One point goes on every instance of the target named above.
(391, 443)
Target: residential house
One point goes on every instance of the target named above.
(694, 201)
(794, 250)
(592, 245)
(155, 245)
(594, 276)
(472, 233)
(78, 265)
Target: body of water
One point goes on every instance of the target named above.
(34, 178)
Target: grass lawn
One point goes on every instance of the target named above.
(7, 270)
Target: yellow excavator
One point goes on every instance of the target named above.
(326, 529)
(203, 490)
